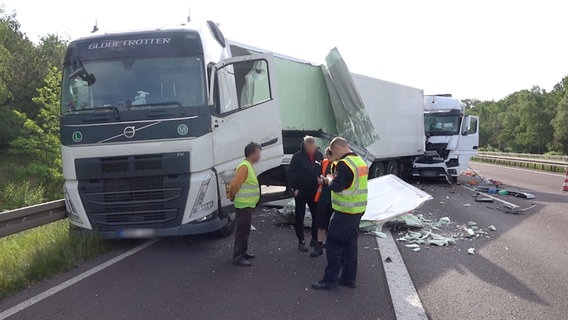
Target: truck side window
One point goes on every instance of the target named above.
(243, 85)
(472, 126)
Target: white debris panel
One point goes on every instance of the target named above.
(389, 197)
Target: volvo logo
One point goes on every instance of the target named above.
(129, 132)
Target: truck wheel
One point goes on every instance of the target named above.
(377, 170)
(229, 228)
(392, 167)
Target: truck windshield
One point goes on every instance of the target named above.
(441, 125)
(121, 85)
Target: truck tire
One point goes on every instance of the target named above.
(229, 228)
(393, 168)
(377, 170)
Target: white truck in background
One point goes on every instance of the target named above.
(452, 138)
(153, 124)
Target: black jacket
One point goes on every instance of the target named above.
(302, 173)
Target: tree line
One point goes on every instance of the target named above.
(527, 121)
(30, 76)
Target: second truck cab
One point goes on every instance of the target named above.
(452, 138)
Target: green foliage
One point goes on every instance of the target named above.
(20, 195)
(39, 139)
(39, 253)
(530, 121)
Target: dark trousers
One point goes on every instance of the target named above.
(341, 247)
(300, 212)
(244, 219)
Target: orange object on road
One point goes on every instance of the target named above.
(324, 165)
(565, 187)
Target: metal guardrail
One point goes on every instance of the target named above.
(22, 219)
(534, 161)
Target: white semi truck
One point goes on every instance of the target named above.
(452, 138)
(153, 124)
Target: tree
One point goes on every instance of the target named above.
(39, 140)
(560, 125)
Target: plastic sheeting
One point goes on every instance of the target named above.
(390, 197)
(352, 119)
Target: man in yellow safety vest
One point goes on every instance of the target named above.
(349, 202)
(244, 191)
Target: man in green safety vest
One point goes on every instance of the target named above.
(244, 191)
(349, 202)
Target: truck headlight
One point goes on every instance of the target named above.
(72, 213)
(199, 206)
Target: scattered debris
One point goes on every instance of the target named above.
(252, 228)
(467, 205)
(471, 223)
(480, 198)
(471, 251)
(416, 249)
(388, 260)
(515, 209)
(492, 228)
(379, 234)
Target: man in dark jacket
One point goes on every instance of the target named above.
(305, 168)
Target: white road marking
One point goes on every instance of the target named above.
(405, 299)
(512, 205)
(49, 292)
(518, 169)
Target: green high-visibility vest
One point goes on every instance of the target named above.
(353, 199)
(249, 193)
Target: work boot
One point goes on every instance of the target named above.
(242, 262)
(302, 246)
(348, 284)
(249, 256)
(322, 285)
(313, 243)
(318, 250)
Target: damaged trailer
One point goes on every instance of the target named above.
(382, 121)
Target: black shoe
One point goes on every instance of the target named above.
(323, 285)
(249, 256)
(313, 243)
(318, 251)
(302, 246)
(242, 262)
(348, 284)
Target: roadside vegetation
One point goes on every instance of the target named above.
(40, 253)
(527, 121)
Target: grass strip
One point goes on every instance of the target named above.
(40, 253)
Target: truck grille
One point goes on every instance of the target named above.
(135, 191)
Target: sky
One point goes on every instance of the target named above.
(484, 49)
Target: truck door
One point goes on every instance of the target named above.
(244, 96)
(469, 136)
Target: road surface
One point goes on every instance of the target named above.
(519, 272)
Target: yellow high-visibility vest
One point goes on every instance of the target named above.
(353, 199)
(249, 193)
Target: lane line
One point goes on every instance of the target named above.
(518, 169)
(49, 292)
(512, 205)
(405, 299)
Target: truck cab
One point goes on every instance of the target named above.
(153, 124)
(452, 138)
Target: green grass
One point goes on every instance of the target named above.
(40, 253)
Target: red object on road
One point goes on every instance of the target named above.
(565, 187)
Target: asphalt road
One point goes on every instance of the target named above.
(518, 272)
(192, 278)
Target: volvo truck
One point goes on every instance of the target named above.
(153, 124)
(452, 138)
